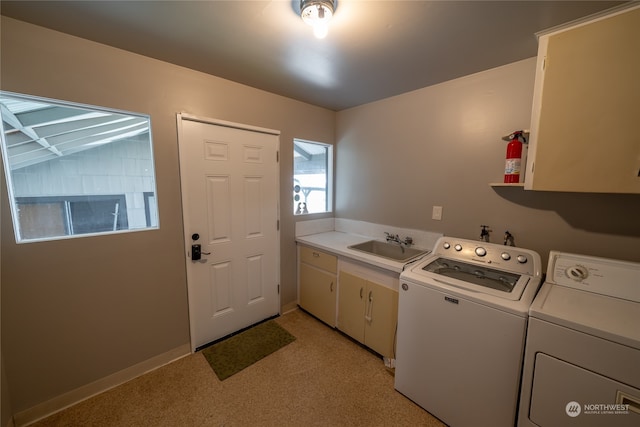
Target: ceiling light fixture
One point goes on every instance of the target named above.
(317, 13)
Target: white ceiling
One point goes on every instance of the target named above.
(375, 49)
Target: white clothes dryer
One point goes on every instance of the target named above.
(582, 356)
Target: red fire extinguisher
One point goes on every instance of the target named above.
(513, 162)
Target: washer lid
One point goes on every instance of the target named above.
(474, 274)
(442, 272)
(606, 317)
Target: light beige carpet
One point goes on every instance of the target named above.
(320, 379)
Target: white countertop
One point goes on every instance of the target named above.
(337, 243)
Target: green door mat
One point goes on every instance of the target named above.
(235, 353)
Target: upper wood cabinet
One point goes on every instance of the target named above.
(586, 108)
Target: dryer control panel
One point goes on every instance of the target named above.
(620, 279)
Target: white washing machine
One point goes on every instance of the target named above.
(462, 319)
(582, 357)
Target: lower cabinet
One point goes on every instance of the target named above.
(368, 312)
(360, 301)
(318, 293)
(318, 284)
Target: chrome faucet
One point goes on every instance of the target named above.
(484, 234)
(392, 237)
(508, 239)
(408, 241)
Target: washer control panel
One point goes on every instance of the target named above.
(509, 258)
(620, 279)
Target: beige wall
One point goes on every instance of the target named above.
(77, 310)
(5, 401)
(5, 410)
(441, 145)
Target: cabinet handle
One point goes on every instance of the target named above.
(316, 255)
(368, 316)
(331, 287)
(361, 289)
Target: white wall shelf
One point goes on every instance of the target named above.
(505, 184)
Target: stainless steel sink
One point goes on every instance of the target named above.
(387, 250)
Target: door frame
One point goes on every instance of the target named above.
(187, 239)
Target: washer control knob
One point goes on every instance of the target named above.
(505, 256)
(577, 273)
(446, 245)
(480, 251)
(522, 259)
(458, 247)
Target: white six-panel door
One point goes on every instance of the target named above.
(229, 178)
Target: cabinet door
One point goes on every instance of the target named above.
(318, 293)
(381, 318)
(351, 303)
(586, 109)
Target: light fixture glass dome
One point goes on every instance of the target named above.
(317, 13)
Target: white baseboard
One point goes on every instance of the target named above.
(49, 407)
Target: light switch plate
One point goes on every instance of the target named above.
(437, 213)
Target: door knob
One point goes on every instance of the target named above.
(196, 252)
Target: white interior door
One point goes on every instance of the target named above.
(229, 177)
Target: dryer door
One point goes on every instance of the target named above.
(565, 394)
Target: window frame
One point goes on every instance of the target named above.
(151, 180)
(329, 182)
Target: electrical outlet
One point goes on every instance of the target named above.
(437, 213)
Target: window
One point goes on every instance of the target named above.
(75, 170)
(312, 177)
